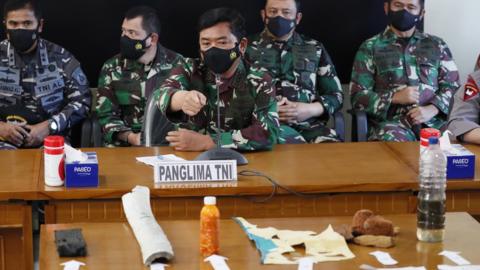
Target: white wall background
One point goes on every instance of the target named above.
(458, 23)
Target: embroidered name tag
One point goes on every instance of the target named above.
(10, 89)
(48, 87)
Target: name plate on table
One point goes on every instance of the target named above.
(195, 171)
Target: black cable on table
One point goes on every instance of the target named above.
(276, 186)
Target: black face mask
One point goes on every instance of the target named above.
(280, 26)
(402, 20)
(22, 39)
(132, 49)
(220, 60)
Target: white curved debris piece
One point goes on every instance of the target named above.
(150, 236)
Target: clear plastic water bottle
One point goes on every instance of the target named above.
(431, 197)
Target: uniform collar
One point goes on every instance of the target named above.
(160, 62)
(160, 58)
(131, 65)
(295, 39)
(16, 60)
(389, 35)
(235, 81)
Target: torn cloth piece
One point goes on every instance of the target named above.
(328, 246)
(273, 244)
(263, 244)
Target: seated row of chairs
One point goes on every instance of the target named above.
(156, 126)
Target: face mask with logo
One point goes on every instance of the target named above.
(22, 39)
(403, 20)
(132, 49)
(279, 26)
(220, 60)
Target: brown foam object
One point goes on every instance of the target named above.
(359, 219)
(378, 225)
(366, 223)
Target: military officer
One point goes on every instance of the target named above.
(43, 89)
(403, 78)
(248, 109)
(128, 79)
(308, 89)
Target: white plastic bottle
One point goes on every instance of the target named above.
(431, 196)
(54, 160)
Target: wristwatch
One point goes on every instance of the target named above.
(52, 126)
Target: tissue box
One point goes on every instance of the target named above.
(460, 163)
(82, 173)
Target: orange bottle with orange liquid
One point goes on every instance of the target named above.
(209, 227)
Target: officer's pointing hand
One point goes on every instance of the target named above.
(193, 102)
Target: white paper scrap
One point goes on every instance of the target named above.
(368, 267)
(305, 263)
(217, 262)
(72, 265)
(384, 258)
(155, 159)
(459, 267)
(158, 266)
(454, 257)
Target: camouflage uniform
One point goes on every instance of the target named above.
(248, 110)
(124, 87)
(302, 72)
(46, 84)
(386, 64)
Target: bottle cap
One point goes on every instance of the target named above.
(432, 140)
(210, 200)
(429, 132)
(54, 141)
(426, 133)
